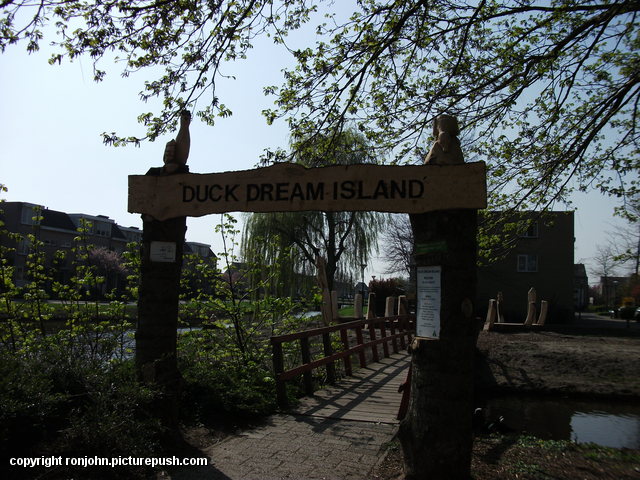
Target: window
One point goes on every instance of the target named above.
(531, 231)
(23, 246)
(102, 229)
(31, 215)
(527, 263)
(133, 236)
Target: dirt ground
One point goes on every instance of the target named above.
(595, 361)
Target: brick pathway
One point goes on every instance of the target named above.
(313, 444)
(297, 447)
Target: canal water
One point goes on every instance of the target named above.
(610, 424)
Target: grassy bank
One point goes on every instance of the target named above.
(500, 457)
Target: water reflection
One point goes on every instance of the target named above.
(609, 424)
(606, 429)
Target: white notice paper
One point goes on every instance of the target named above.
(163, 252)
(429, 296)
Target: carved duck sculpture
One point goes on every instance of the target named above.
(176, 151)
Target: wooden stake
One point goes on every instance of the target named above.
(544, 307)
(389, 306)
(531, 310)
(403, 307)
(357, 307)
(371, 311)
(491, 316)
(499, 309)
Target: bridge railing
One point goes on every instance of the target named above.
(393, 332)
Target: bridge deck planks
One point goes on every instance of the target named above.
(370, 395)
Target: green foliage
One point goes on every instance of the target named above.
(226, 364)
(600, 453)
(389, 287)
(111, 414)
(60, 396)
(499, 232)
(294, 240)
(530, 441)
(190, 41)
(218, 382)
(539, 86)
(69, 387)
(549, 91)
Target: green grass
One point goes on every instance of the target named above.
(57, 310)
(600, 453)
(349, 311)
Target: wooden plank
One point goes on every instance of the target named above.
(371, 395)
(291, 187)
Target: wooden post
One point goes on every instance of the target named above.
(436, 435)
(306, 359)
(383, 334)
(156, 332)
(499, 308)
(371, 310)
(531, 309)
(393, 327)
(403, 309)
(278, 368)
(371, 324)
(328, 351)
(361, 355)
(544, 308)
(389, 308)
(389, 305)
(491, 316)
(344, 336)
(357, 307)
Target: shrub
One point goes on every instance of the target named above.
(55, 402)
(390, 287)
(218, 382)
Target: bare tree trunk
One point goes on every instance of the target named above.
(436, 434)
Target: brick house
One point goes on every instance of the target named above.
(58, 231)
(540, 257)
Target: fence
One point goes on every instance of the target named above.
(391, 332)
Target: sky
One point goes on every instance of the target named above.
(52, 154)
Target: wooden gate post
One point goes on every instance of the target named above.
(156, 336)
(158, 295)
(436, 434)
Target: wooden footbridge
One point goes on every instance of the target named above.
(366, 392)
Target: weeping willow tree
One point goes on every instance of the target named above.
(293, 240)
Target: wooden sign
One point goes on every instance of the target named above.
(290, 187)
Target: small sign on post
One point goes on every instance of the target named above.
(429, 300)
(162, 252)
